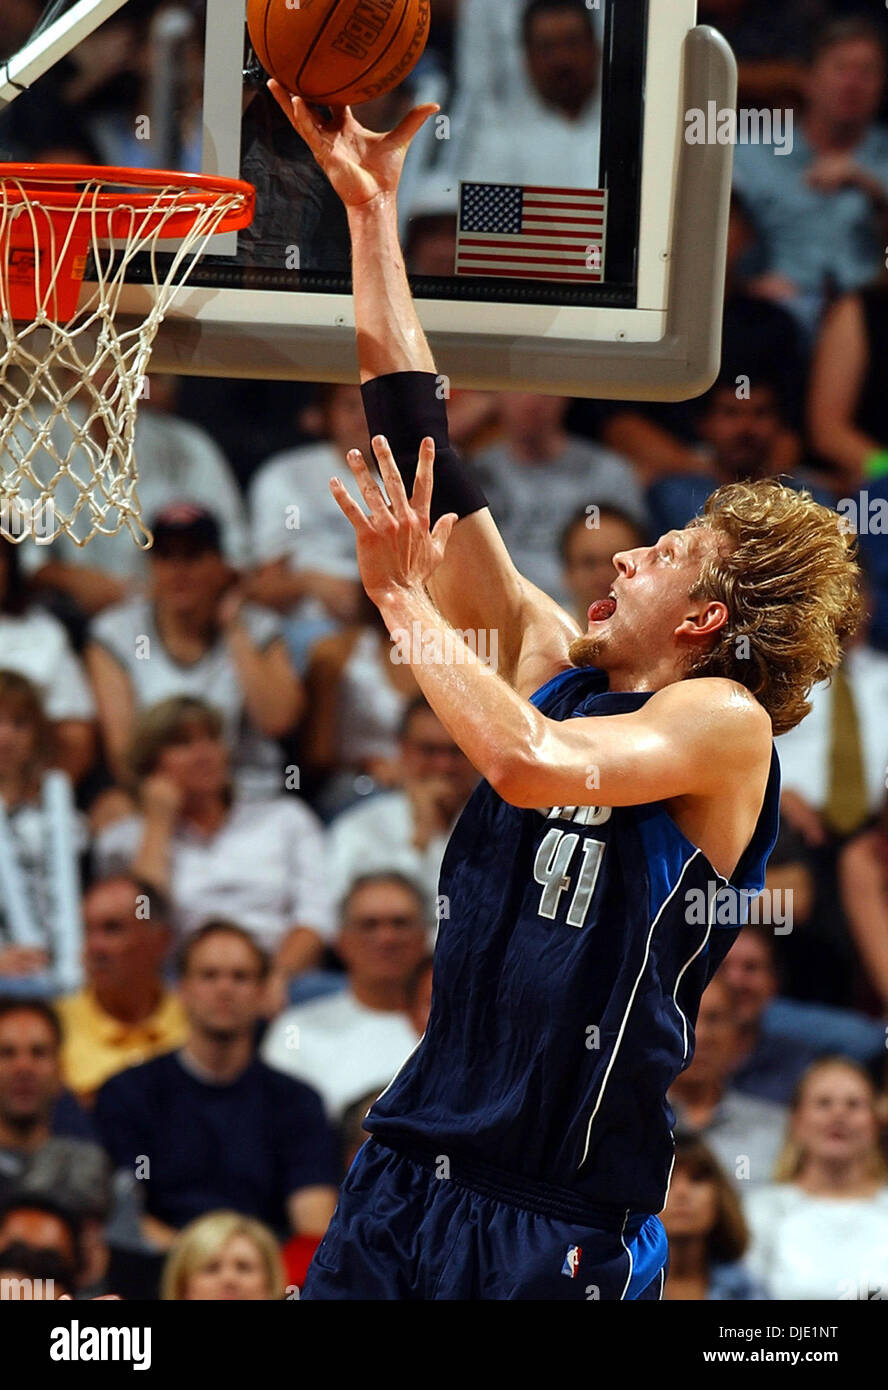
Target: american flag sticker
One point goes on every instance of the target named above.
(532, 233)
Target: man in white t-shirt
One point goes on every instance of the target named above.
(189, 634)
(537, 458)
(547, 130)
(347, 1044)
(489, 55)
(303, 546)
(407, 829)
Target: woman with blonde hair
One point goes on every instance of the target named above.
(820, 1231)
(224, 1256)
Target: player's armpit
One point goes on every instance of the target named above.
(689, 739)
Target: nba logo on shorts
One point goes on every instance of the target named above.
(572, 1259)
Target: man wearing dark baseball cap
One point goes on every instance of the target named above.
(192, 634)
(186, 528)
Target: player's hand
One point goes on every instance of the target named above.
(361, 164)
(396, 547)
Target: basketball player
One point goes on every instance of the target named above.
(525, 1147)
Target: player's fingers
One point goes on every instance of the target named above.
(404, 132)
(394, 483)
(302, 117)
(369, 487)
(283, 98)
(421, 501)
(347, 504)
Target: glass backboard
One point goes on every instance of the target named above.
(560, 233)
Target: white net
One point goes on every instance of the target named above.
(70, 389)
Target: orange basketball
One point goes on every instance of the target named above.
(339, 52)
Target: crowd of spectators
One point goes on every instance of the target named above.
(223, 806)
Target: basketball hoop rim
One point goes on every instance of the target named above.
(204, 190)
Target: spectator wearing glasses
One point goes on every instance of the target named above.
(192, 635)
(346, 1044)
(407, 828)
(357, 697)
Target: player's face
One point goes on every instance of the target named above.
(692, 1206)
(647, 617)
(835, 1120)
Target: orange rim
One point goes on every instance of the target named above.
(47, 186)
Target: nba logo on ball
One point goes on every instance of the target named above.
(572, 1259)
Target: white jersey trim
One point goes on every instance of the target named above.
(647, 952)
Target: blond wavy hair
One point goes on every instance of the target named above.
(789, 579)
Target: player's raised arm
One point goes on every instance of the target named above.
(477, 586)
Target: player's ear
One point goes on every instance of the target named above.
(707, 620)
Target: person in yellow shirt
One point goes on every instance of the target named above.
(125, 1014)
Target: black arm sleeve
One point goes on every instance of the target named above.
(404, 406)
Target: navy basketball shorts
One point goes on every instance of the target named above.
(402, 1232)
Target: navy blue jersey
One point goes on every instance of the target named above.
(567, 980)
